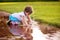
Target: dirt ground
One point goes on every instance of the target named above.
(45, 28)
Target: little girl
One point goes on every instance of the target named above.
(21, 17)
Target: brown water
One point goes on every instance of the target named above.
(37, 34)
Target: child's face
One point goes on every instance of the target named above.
(27, 13)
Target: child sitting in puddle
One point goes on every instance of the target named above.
(22, 17)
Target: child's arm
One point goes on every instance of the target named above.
(29, 19)
(23, 20)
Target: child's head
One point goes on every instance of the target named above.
(28, 10)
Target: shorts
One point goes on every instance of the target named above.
(14, 20)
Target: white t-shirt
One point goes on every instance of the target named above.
(18, 16)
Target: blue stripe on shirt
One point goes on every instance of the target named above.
(14, 19)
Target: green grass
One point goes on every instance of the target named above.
(46, 11)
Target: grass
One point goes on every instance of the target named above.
(46, 11)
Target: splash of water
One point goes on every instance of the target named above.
(37, 34)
